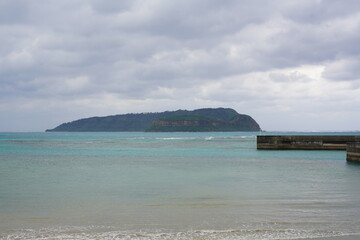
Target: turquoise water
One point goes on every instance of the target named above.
(171, 186)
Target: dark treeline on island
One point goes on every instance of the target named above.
(200, 120)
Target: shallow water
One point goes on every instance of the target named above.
(171, 186)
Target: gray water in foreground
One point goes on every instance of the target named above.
(172, 186)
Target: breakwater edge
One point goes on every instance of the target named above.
(350, 143)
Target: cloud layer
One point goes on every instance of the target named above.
(292, 65)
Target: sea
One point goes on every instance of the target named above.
(137, 185)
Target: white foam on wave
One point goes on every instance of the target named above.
(209, 138)
(175, 138)
(251, 136)
(96, 233)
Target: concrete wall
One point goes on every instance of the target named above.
(305, 142)
(353, 152)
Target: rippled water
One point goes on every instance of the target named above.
(171, 186)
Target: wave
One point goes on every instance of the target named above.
(207, 138)
(175, 138)
(92, 233)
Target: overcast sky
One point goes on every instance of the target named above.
(291, 65)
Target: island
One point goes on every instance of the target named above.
(199, 120)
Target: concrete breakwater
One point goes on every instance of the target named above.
(350, 143)
(305, 142)
(353, 152)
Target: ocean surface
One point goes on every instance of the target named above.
(172, 186)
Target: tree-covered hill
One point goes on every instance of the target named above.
(144, 121)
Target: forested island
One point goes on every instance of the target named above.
(199, 120)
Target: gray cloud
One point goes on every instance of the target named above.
(343, 70)
(315, 12)
(100, 57)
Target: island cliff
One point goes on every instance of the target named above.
(197, 123)
(200, 120)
